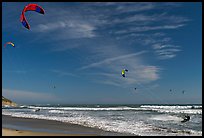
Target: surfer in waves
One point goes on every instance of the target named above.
(186, 118)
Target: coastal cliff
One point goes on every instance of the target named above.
(7, 102)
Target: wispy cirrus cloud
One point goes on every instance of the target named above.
(72, 29)
(161, 46)
(166, 56)
(63, 73)
(108, 82)
(110, 70)
(149, 72)
(75, 25)
(149, 19)
(131, 7)
(149, 28)
(122, 8)
(109, 60)
(101, 23)
(136, 75)
(50, 26)
(165, 51)
(132, 23)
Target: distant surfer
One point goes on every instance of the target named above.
(186, 118)
(36, 110)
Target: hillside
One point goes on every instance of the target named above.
(8, 102)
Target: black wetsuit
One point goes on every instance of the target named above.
(187, 118)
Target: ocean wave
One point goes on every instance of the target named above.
(174, 109)
(176, 132)
(57, 111)
(179, 111)
(157, 108)
(88, 108)
(173, 106)
(136, 128)
(122, 126)
(165, 117)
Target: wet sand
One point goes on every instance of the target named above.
(15, 132)
(37, 127)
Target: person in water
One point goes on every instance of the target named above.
(186, 118)
(36, 110)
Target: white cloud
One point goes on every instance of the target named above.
(98, 23)
(161, 46)
(63, 73)
(139, 18)
(149, 28)
(64, 46)
(165, 51)
(135, 75)
(109, 82)
(142, 74)
(166, 56)
(50, 26)
(134, 18)
(138, 72)
(68, 29)
(132, 7)
(149, 72)
(109, 60)
(123, 7)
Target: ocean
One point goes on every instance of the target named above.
(130, 119)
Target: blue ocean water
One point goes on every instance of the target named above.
(143, 120)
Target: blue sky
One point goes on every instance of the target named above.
(81, 49)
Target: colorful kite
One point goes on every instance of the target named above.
(123, 72)
(9, 43)
(30, 7)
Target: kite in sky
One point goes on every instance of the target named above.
(123, 72)
(9, 43)
(30, 7)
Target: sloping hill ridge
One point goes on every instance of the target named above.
(7, 102)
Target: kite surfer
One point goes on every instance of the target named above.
(186, 118)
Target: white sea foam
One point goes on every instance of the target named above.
(123, 119)
(166, 118)
(88, 108)
(180, 111)
(162, 109)
(57, 111)
(137, 128)
(174, 109)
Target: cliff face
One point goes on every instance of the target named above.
(7, 102)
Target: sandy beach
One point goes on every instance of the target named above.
(14, 126)
(15, 132)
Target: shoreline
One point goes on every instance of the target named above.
(16, 126)
(15, 132)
